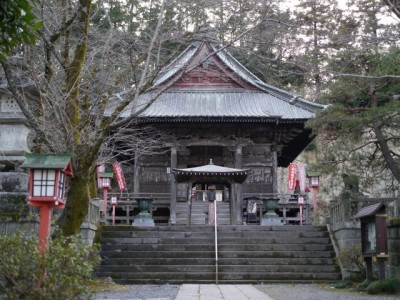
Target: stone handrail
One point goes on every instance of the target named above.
(93, 217)
(342, 211)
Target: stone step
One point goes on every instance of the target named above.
(210, 260)
(221, 268)
(234, 228)
(224, 234)
(165, 251)
(247, 254)
(243, 277)
(221, 241)
(210, 247)
(198, 215)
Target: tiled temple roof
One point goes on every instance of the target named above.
(245, 96)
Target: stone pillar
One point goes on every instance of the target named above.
(274, 154)
(174, 164)
(238, 204)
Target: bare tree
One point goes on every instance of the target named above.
(76, 68)
(131, 142)
(87, 56)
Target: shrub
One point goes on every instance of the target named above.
(343, 284)
(362, 287)
(385, 286)
(60, 273)
(351, 260)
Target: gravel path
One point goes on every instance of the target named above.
(136, 292)
(315, 292)
(275, 291)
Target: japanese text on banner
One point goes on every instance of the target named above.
(120, 176)
(292, 176)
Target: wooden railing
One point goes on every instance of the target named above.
(127, 205)
(287, 206)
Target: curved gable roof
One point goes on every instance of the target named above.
(205, 80)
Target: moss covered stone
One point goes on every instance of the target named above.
(13, 182)
(13, 206)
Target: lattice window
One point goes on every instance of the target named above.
(8, 104)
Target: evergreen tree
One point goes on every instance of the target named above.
(18, 25)
(361, 127)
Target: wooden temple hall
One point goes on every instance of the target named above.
(228, 134)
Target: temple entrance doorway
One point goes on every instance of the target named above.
(213, 183)
(204, 197)
(202, 191)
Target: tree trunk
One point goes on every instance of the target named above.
(77, 205)
(382, 142)
(392, 165)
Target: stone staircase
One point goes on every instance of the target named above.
(198, 215)
(247, 254)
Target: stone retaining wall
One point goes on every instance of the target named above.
(393, 232)
(345, 235)
(17, 215)
(13, 196)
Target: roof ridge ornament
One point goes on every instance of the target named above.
(206, 33)
(211, 162)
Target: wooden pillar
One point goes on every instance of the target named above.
(136, 184)
(44, 226)
(274, 154)
(238, 204)
(190, 201)
(233, 204)
(172, 206)
(368, 265)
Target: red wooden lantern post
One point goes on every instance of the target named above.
(47, 177)
(104, 183)
(313, 177)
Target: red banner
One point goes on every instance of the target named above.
(292, 176)
(100, 169)
(120, 176)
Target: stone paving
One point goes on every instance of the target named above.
(220, 292)
(273, 291)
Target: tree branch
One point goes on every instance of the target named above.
(386, 152)
(393, 6)
(336, 75)
(50, 46)
(139, 91)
